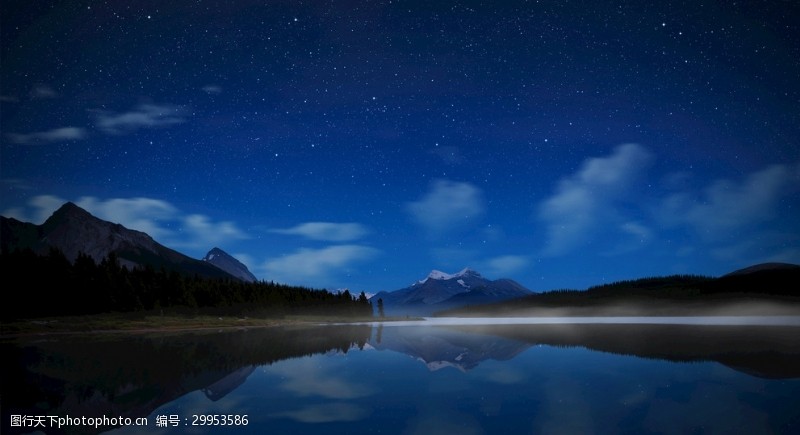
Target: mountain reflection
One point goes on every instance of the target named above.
(764, 351)
(230, 382)
(132, 375)
(439, 347)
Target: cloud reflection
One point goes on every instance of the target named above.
(566, 409)
(712, 416)
(506, 376)
(436, 420)
(326, 413)
(307, 378)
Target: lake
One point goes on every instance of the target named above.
(602, 376)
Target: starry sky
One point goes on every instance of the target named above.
(361, 144)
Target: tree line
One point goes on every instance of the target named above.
(775, 284)
(51, 285)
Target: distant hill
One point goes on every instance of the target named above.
(772, 288)
(226, 262)
(440, 290)
(73, 230)
(765, 278)
(763, 267)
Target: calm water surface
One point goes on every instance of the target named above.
(419, 379)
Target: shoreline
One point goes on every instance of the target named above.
(107, 324)
(146, 324)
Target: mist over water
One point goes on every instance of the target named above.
(567, 320)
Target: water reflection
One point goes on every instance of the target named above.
(439, 347)
(765, 351)
(131, 375)
(551, 378)
(228, 383)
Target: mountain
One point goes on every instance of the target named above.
(224, 261)
(761, 267)
(73, 230)
(440, 290)
(764, 278)
(440, 348)
(761, 289)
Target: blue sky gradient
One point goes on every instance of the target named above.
(361, 145)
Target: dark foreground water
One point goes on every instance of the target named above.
(411, 378)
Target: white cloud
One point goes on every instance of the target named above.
(55, 135)
(767, 248)
(327, 231)
(246, 259)
(581, 202)
(630, 236)
(504, 265)
(41, 91)
(204, 233)
(16, 213)
(738, 222)
(726, 207)
(46, 205)
(448, 205)
(307, 378)
(326, 413)
(159, 219)
(143, 116)
(212, 89)
(314, 266)
(38, 209)
(637, 231)
(142, 214)
(495, 267)
(155, 217)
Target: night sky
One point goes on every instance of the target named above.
(361, 144)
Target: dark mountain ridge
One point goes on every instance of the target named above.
(73, 230)
(763, 267)
(441, 290)
(760, 289)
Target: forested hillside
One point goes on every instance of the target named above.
(673, 294)
(51, 285)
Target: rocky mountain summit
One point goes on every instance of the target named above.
(229, 264)
(73, 230)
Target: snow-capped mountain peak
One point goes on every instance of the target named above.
(442, 290)
(442, 276)
(437, 274)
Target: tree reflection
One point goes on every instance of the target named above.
(131, 375)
